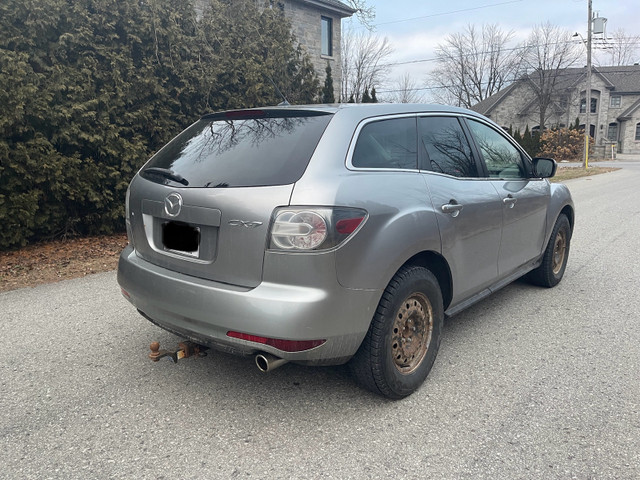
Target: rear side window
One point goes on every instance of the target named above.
(502, 159)
(219, 152)
(445, 148)
(388, 143)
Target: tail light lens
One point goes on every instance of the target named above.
(301, 229)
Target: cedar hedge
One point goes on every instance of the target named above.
(89, 89)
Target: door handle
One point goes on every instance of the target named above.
(453, 208)
(509, 201)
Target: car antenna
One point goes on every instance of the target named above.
(284, 102)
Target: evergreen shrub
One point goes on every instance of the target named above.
(89, 89)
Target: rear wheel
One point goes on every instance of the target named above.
(404, 336)
(554, 261)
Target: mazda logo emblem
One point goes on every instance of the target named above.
(173, 204)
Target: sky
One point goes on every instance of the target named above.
(415, 28)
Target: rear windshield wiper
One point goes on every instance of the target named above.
(166, 173)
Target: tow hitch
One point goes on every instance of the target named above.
(185, 349)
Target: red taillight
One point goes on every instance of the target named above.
(303, 229)
(125, 293)
(284, 345)
(348, 225)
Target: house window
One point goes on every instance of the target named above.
(615, 101)
(583, 103)
(612, 133)
(638, 132)
(592, 130)
(327, 36)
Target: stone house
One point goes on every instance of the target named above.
(614, 113)
(317, 25)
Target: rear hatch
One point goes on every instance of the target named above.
(202, 205)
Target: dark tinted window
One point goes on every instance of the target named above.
(387, 144)
(503, 160)
(583, 105)
(240, 152)
(445, 147)
(326, 36)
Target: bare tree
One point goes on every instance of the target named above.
(405, 90)
(364, 13)
(620, 49)
(444, 95)
(547, 53)
(363, 67)
(473, 65)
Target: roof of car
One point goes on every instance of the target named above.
(368, 109)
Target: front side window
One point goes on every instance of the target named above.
(615, 101)
(583, 104)
(388, 143)
(445, 148)
(612, 133)
(503, 160)
(327, 36)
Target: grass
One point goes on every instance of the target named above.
(569, 173)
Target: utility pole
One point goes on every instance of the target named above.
(587, 123)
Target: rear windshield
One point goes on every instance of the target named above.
(232, 150)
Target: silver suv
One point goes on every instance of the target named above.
(330, 234)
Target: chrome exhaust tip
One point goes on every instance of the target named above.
(267, 362)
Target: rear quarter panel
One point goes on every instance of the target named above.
(400, 224)
(401, 221)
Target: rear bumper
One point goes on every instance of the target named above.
(204, 311)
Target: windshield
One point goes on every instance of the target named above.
(232, 150)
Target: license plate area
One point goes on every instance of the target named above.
(182, 238)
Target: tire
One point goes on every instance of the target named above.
(554, 260)
(403, 339)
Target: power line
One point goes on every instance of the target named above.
(512, 49)
(448, 13)
(562, 74)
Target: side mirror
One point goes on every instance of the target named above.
(544, 167)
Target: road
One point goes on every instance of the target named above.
(626, 161)
(531, 383)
